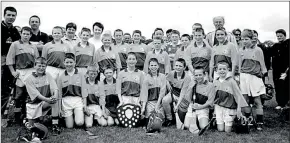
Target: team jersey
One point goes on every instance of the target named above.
(108, 92)
(171, 50)
(211, 38)
(224, 53)
(129, 83)
(227, 94)
(72, 42)
(104, 59)
(200, 93)
(93, 93)
(55, 53)
(153, 87)
(85, 56)
(140, 50)
(163, 59)
(251, 61)
(74, 85)
(179, 86)
(22, 55)
(151, 46)
(122, 52)
(198, 56)
(39, 85)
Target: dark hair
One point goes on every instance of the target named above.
(131, 53)
(40, 60)
(255, 32)
(223, 63)
(35, 16)
(153, 60)
(84, 29)
(137, 31)
(181, 60)
(108, 67)
(282, 31)
(58, 27)
(9, 8)
(200, 30)
(235, 30)
(71, 25)
(26, 28)
(168, 31)
(118, 30)
(99, 25)
(200, 68)
(197, 24)
(175, 32)
(156, 29)
(158, 38)
(248, 33)
(69, 56)
(127, 34)
(186, 35)
(221, 29)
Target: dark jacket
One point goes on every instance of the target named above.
(8, 35)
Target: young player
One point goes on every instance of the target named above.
(158, 32)
(54, 52)
(120, 47)
(228, 99)
(22, 54)
(127, 38)
(72, 90)
(252, 69)
(139, 49)
(84, 52)
(98, 29)
(93, 101)
(108, 92)
(223, 51)
(159, 54)
(153, 90)
(70, 37)
(185, 41)
(177, 84)
(43, 95)
(107, 56)
(198, 54)
(198, 93)
(173, 46)
(129, 82)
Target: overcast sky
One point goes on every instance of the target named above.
(265, 17)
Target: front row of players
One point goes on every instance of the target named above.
(82, 99)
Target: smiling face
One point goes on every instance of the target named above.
(222, 70)
(97, 30)
(118, 36)
(218, 22)
(57, 34)
(85, 35)
(280, 37)
(158, 33)
(136, 37)
(157, 44)
(107, 40)
(34, 23)
(69, 64)
(40, 68)
(92, 74)
(179, 67)
(71, 31)
(184, 41)
(198, 36)
(109, 74)
(10, 17)
(247, 41)
(174, 38)
(220, 36)
(131, 60)
(153, 66)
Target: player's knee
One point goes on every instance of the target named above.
(165, 100)
(79, 122)
(110, 121)
(102, 122)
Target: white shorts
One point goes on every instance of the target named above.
(131, 100)
(82, 70)
(215, 75)
(202, 113)
(225, 115)
(54, 72)
(34, 111)
(71, 103)
(251, 85)
(102, 76)
(150, 106)
(95, 110)
(23, 74)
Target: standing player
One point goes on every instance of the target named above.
(54, 52)
(120, 47)
(252, 70)
(84, 52)
(98, 29)
(173, 46)
(70, 37)
(22, 54)
(185, 41)
(159, 54)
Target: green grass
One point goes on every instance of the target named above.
(274, 131)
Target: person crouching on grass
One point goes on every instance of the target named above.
(177, 84)
(22, 54)
(129, 82)
(72, 90)
(252, 70)
(109, 94)
(199, 91)
(228, 99)
(93, 101)
(153, 90)
(43, 95)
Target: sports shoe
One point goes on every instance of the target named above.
(55, 130)
(168, 123)
(278, 107)
(259, 126)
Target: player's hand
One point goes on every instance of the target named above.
(15, 74)
(283, 76)
(51, 100)
(196, 106)
(105, 115)
(176, 108)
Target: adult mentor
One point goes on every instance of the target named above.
(219, 22)
(9, 34)
(38, 38)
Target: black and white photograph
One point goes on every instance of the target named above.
(145, 72)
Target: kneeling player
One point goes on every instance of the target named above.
(71, 85)
(43, 95)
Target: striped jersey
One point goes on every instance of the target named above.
(85, 56)
(153, 87)
(140, 50)
(163, 59)
(122, 52)
(104, 59)
(200, 93)
(108, 92)
(179, 86)
(93, 96)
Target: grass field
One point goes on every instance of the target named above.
(274, 131)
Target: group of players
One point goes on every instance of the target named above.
(85, 81)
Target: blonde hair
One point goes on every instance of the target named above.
(92, 68)
(107, 34)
